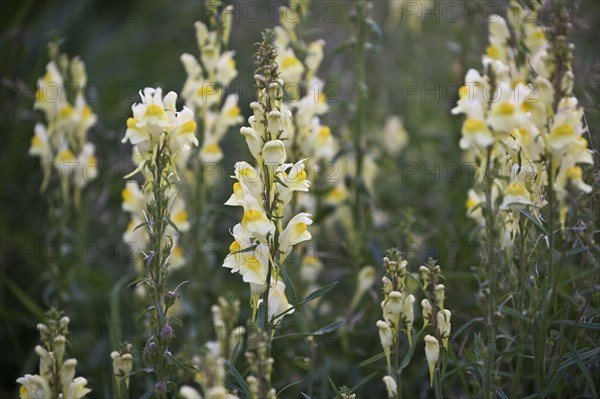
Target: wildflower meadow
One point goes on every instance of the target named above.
(343, 199)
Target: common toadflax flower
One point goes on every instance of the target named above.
(267, 234)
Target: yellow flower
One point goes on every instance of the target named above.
(278, 302)
(475, 134)
(515, 196)
(295, 232)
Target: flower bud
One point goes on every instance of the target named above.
(273, 153)
(67, 372)
(391, 386)
(444, 326)
(166, 333)
(116, 358)
(274, 125)
(439, 295)
(427, 311)
(59, 347)
(425, 275)
(566, 84)
(387, 284)
(227, 18)
(151, 351)
(160, 389)
(187, 392)
(170, 298)
(408, 315)
(395, 303)
(364, 280)
(432, 353)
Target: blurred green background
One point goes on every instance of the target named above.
(131, 45)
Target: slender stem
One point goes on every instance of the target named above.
(357, 210)
(396, 363)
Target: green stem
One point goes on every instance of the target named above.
(361, 95)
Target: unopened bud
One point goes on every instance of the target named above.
(160, 389)
(166, 333)
(170, 299)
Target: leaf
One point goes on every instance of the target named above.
(329, 328)
(580, 324)
(26, 301)
(279, 392)
(238, 377)
(148, 370)
(514, 313)
(290, 285)
(322, 331)
(139, 226)
(241, 251)
(305, 395)
(576, 251)
(180, 364)
(584, 370)
(363, 381)
(301, 362)
(335, 388)
(319, 292)
(534, 220)
(371, 360)
(344, 46)
(375, 28)
(409, 354)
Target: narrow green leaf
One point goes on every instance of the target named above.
(335, 388)
(238, 377)
(26, 301)
(245, 250)
(576, 251)
(371, 360)
(409, 354)
(319, 292)
(534, 220)
(580, 324)
(364, 381)
(329, 328)
(290, 285)
(584, 370)
(279, 392)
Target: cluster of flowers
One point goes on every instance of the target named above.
(205, 86)
(122, 365)
(399, 316)
(434, 314)
(308, 137)
(522, 118)
(261, 244)
(153, 117)
(61, 143)
(159, 135)
(57, 373)
(211, 363)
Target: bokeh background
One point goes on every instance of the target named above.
(414, 69)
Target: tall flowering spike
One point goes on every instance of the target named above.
(261, 243)
(532, 131)
(57, 373)
(159, 135)
(61, 142)
(204, 90)
(156, 126)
